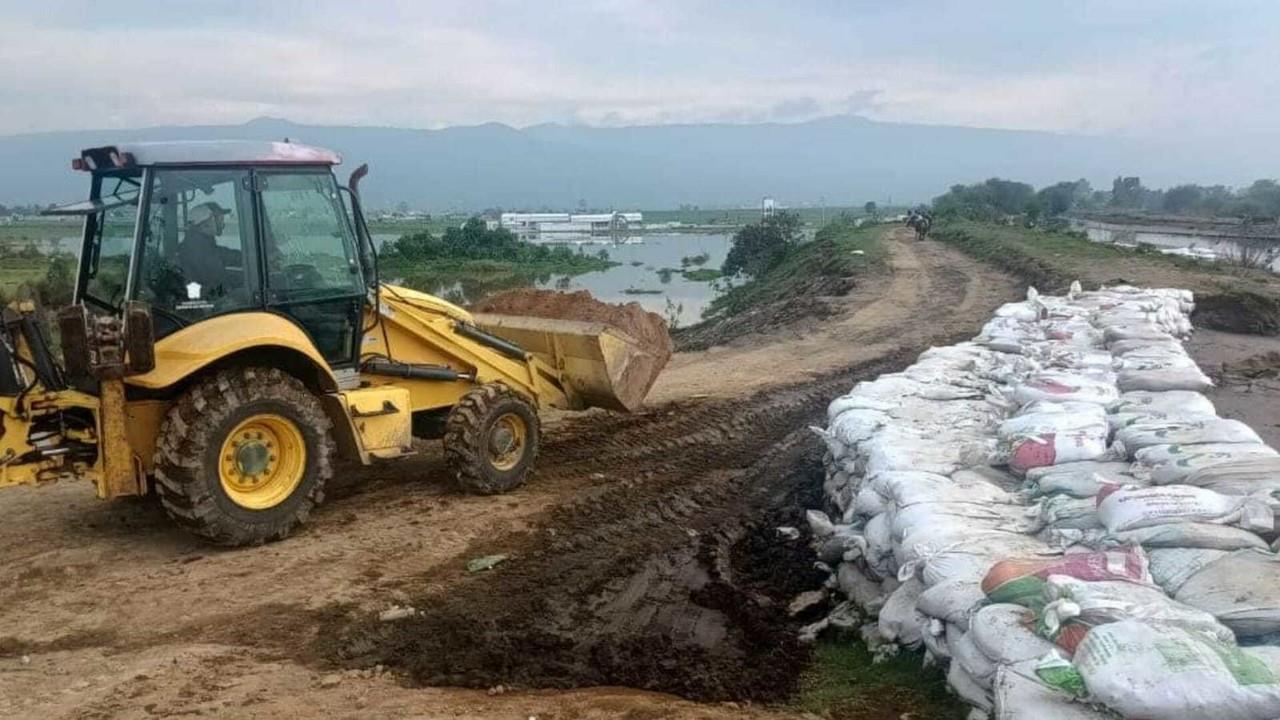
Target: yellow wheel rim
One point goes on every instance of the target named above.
(507, 441)
(262, 461)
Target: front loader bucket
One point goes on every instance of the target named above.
(603, 366)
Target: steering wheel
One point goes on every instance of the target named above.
(302, 277)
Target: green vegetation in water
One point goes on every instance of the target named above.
(696, 260)
(779, 267)
(641, 291)
(702, 275)
(636, 263)
(842, 681)
(472, 261)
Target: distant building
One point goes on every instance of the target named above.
(569, 223)
(766, 207)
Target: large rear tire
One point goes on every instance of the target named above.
(243, 456)
(491, 440)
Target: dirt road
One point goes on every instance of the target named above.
(643, 554)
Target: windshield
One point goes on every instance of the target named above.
(109, 231)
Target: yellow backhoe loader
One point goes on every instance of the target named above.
(229, 336)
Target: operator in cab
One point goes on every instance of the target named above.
(202, 260)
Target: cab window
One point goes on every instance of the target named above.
(308, 244)
(197, 253)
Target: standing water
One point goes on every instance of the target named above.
(1205, 244)
(652, 269)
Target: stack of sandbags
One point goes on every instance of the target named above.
(1070, 425)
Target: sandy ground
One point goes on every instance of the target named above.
(1245, 369)
(106, 611)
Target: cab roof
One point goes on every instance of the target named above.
(204, 152)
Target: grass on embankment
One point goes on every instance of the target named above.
(843, 683)
(1228, 297)
(798, 287)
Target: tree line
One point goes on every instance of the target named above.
(997, 198)
(475, 241)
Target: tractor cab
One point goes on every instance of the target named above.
(197, 230)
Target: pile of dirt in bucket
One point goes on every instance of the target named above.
(647, 327)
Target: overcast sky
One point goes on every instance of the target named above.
(1093, 66)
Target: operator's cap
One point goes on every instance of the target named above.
(205, 211)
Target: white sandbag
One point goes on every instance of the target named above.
(1122, 420)
(1063, 511)
(1004, 634)
(1172, 567)
(820, 525)
(905, 490)
(894, 387)
(952, 601)
(1123, 508)
(864, 591)
(1122, 348)
(879, 552)
(1168, 464)
(1163, 404)
(1242, 590)
(1026, 311)
(974, 516)
(1078, 479)
(1184, 378)
(1165, 673)
(967, 688)
(934, 637)
(1135, 331)
(898, 448)
(1240, 477)
(1185, 431)
(899, 620)
(969, 559)
(964, 652)
(1061, 387)
(854, 401)
(1186, 535)
(1019, 695)
(868, 502)
(1074, 607)
(853, 426)
(886, 483)
(1054, 355)
(1040, 417)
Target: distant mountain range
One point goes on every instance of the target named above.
(839, 160)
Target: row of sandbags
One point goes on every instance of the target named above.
(1037, 508)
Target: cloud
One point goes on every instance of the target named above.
(73, 64)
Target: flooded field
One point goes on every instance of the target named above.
(659, 271)
(1204, 244)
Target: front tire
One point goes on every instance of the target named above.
(243, 456)
(491, 440)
